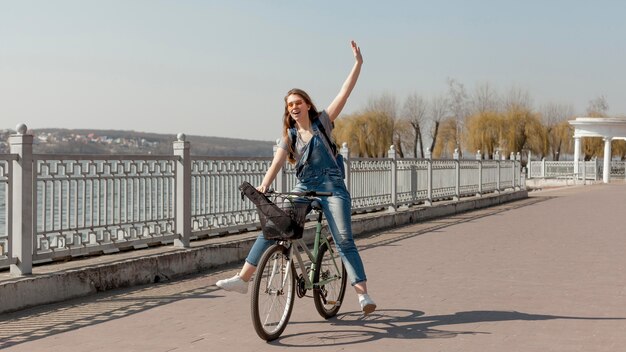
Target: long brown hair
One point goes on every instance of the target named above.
(289, 122)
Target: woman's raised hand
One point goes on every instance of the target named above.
(357, 52)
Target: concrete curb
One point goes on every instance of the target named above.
(38, 289)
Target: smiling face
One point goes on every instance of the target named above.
(297, 107)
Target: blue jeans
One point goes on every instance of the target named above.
(323, 176)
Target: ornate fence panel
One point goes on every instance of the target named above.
(216, 204)
(535, 169)
(370, 185)
(89, 204)
(469, 181)
(491, 174)
(592, 170)
(444, 179)
(559, 168)
(507, 174)
(412, 186)
(6, 205)
(617, 169)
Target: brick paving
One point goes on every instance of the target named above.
(542, 274)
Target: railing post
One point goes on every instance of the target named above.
(513, 165)
(479, 158)
(22, 213)
(281, 178)
(518, 166)
(183, 192)
(457, 171)
(584, 172)
(606, 169)
(576, 155)
(429, 197)
(394, 178)
(528, 166)
(543, 167)
(345, 152)
(498, 162)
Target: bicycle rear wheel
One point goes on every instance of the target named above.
(273, 293)
(331, 275)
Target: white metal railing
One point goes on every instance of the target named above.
(58, 206)
(6, 163)
(216, 204)
(88, 203)
(588, 170)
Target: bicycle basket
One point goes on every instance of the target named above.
(282, 217)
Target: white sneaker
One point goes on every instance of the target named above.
(367, 304)
(235, 284)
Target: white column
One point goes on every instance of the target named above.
(345, 151)
(183, 192)
(606, 173)
(394, 178)
(576, 154)
(457, 187)
(22, 214)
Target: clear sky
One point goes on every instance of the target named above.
(221, 68)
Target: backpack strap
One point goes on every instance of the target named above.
(332, 147)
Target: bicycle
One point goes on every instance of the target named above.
(278, 278)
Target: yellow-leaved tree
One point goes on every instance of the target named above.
(484, 131)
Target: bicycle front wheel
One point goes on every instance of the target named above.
(329, 281)
(273, 293)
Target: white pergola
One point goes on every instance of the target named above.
(608, 128)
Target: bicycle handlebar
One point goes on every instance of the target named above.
(301, 194)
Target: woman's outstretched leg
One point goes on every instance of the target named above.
(239, 282)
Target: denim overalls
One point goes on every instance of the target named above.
(317, 171)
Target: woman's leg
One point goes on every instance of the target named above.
(239, 282)
(247, 271)
(252, 260)
(337, 210)
(339, 216)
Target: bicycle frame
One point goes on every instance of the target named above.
(291, 268)
(299, 244)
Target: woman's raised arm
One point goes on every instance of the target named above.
(334, 109)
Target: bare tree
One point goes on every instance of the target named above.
(485, 99)
(518, 98)
(415, 111)
(598, 107)
(554, 118)
(386, 107)
(438, 111)
(459, 108)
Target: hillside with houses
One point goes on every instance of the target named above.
(66, 141)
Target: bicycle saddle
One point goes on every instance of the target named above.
(316, 205)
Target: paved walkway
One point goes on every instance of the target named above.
(542, 274)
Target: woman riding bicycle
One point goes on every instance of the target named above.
(304, 143)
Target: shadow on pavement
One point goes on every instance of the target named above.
(353, 327)
(433, 225)
(43, 321)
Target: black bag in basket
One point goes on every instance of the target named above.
(282, 218)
